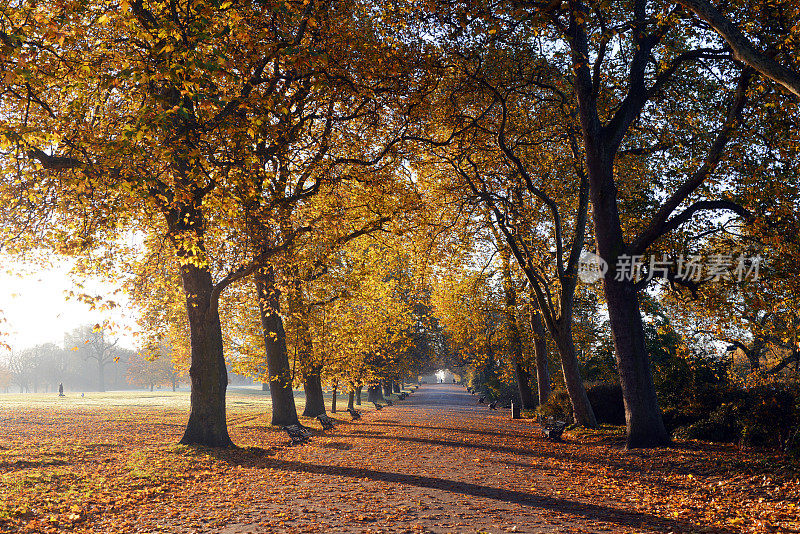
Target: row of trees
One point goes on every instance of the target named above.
(89, 360)
(328, 155)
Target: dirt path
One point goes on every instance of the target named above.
(438, 462)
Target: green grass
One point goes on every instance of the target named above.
(239, 400)
(236, 399)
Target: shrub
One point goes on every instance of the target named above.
(770, 416)
(763, 416)
(557, 405)
(605, 398)
(722, 425)
(607, 403)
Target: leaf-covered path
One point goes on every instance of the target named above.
(436, 462)
(440, 462)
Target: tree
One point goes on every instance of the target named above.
(179, 91)
(151, 370)
(22, 366)
(511, 150)
(6, 378)
(604, 129)
(91, 343)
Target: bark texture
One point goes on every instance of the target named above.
(284, 411)
(540, 351)
(312, 384)
(515, 338)
(209, 377)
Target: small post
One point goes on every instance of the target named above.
(514, 410)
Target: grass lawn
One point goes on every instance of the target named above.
(63, 459)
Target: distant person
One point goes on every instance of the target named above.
(81, 395)
(61, 390)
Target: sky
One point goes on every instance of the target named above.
(35, 308)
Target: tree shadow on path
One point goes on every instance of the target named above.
(461, 430)
(589, 511)
(571, 452)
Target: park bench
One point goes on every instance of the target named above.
(354, 414)
(377, 406)
(298, 434)
(403, 395)
(493, 405)
(482, 400)
(326, 422)
(551, 428)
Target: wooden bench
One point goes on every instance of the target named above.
(354, 414)
(482, 400)
(403, 395)
(298, 434)
(377, 406)
(493, 405)
(551, 428)
(326, 422)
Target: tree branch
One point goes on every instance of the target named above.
(743, 49)
(658, 224)
(54, 163)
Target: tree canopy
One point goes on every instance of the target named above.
(353, 193)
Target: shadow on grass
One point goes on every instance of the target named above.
(338, 446)
(260, 458)
(27, 464)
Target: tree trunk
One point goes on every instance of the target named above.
(395, 387)
(264, 386)
(101, 375)
(754, 359)
(374, 393)
(387, 388)
(753, 353)
(645, 426)
(284, 411)
(358, 394)
(310, 368)
(523, 378)
(582, 410)
(209, 377)
(351, 399)
(333, 401)
(540, 351)
(312, 385)
(514, 339)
